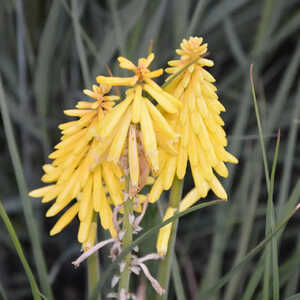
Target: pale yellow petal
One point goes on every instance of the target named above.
(112, 183)
(86, 203)
(76, 112)
(199, 181)
(221, 169)
(136, 108)
(91, 237)
(190, 199)
(149, 138)
(160, 122)
(134, 168)
(169, 172)
(53, 175)
(164, 233)
(126, 64)
(120, 138)
(182, 162)
(84, 228)
(70, 140)
(65, 219)
(51, 194)
(40, 192)
(57, 207)
(121, 81)
(161, 99)
(98, 190)
(218, 188)
(156, 190)
(112, 118)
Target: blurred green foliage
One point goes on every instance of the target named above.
(51, 50)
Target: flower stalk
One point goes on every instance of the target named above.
(93, 267)
(127, 240)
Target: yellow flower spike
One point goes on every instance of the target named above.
(65, 219)
(134, 168)
(164, 233)
(73, 169)
(202, 138)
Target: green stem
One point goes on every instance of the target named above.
(166, 264)
(93, 268)
(127, 240)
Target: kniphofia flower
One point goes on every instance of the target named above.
(135, 128)
(202, 139)
(77, 182)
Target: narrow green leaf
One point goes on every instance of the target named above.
(274, 244)
(234, 44)
(26, 202)
(260, 130)
(34, 287)
(79, 44)
(117, 27)
(197, 15)
(177, 280)
(246, 259)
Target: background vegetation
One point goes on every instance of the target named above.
(51, 50)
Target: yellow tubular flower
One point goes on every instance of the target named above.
(78, 183)
(164, 233)
(202, 138)
(136, 126)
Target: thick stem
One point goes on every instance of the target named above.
(127, 240)
(93, 268)
(166, 264)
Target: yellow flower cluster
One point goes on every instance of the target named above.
(137, 122)
(105, 144)
(152, 131)
(75, 177)
(202, 138)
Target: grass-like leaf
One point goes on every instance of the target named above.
(27, 206)
(33, 284)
